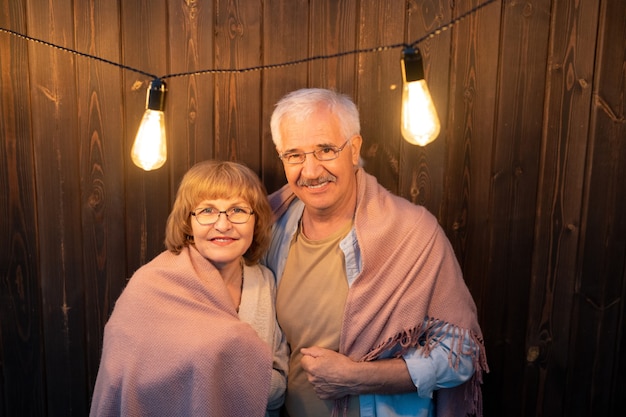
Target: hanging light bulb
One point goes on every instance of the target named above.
(419, 121)
(150, 148)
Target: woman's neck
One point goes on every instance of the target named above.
(232, 274)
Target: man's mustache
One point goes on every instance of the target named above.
(308, 182)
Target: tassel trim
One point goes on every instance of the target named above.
(428, 336)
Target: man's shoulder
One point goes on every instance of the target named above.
(280, 199)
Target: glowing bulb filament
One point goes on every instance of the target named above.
(150, 148)
(420, 124)
(419, 121)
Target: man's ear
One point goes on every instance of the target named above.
(355, 147)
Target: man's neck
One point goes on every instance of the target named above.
(319, 225)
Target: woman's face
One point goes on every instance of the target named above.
(223, 242)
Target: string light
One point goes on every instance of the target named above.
(154, 116)
(419, 121)
(150, 148)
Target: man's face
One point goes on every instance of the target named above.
(326, 187)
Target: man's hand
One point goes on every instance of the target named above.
(334, 375)
(329, 372)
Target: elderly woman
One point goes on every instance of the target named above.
(194, 333)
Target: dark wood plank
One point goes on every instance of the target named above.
(147, 195)
(422, 168)
(102, 154)
(504, 303)
(379, 87)
(526, 176)
(564, 148)
(465, 209)
(607, 187)
(467, 183)
(598, 316)
(238, 96)
(333, 30)
(58, 217)
(285, 39)
(190, 112)
(22, 375)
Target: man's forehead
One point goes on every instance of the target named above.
(311, 132)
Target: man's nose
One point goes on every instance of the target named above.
(311, 166)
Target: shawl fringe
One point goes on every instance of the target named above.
(428, 335)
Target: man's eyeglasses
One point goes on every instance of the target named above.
(210, 215)
(325, 153)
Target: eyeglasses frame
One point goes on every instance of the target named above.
(337, 150)
(220, 212)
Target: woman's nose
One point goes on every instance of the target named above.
(222, 223)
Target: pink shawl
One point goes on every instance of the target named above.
(410, 274)
(175, 346)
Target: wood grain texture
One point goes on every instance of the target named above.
(146, 193)
(471, 133)
(422, 169)
(101, 160)
(515, 169)
(237, 95)
(22, 373)
(190, 99)
(526, 177)
(564, 148)
(380, 91)
(57, 218)
(333, 30)
(285, 39)
(597, 351)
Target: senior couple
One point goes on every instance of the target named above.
(333, 298)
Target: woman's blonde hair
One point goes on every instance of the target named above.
(212, 180)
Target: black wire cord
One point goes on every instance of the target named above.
(429, 35)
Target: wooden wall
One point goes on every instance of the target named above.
(527, 176)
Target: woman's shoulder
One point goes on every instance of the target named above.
(259, 272)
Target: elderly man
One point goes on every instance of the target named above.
(370, 295)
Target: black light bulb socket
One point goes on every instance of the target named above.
(412, 65)
(156, 95)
